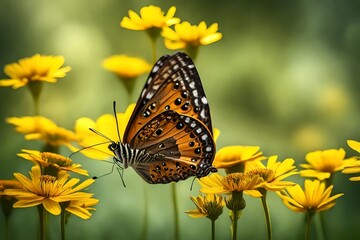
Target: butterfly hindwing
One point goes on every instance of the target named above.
(173, 84)
(180, 146)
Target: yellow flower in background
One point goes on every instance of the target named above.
(106, 125)
(355, 145)
(53, 161)
(126, 67)
(355, 166)
(82, 207)
(6, 201)
(47, 190)
(41, 128)
(36, 68)
(314, 198)
(234, 182)
(210, 206)
(322, 164)
(186, 35)
(274, 172)
(230, 156)
(150, 17)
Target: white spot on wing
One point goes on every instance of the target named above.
(195, 93)
(202, 113)
(149, 95)
(149, 80)
(155, 68)
(204, 100)
(192, 85)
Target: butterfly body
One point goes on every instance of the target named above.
(169, 135)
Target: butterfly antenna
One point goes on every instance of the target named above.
(121, 173)
(116, 120)
(100, 134)
(77, 151)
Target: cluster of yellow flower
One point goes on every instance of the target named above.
(52, 190)
(245, 173)
(49, 186)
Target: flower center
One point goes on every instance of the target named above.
(54, 158)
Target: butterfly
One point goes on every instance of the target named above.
(169, 135)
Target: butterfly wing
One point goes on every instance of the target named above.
(180, 146)
(173, 84)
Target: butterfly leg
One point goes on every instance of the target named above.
(121, 173)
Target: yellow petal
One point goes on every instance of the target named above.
(52, 206)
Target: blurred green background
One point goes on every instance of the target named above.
(284, 77)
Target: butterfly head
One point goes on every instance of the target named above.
(115, 148)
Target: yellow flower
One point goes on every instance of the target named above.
(354, 145)
(53, 161)
(230, 156)
(106, 125)
(150, 17)
(186, 35)
(126, 67)
(35, 68)
(41, 128)
(234, 182)
(322, 164)
(6, 201)
(314, 198)
(82, 207)
(355, 166)
(5, 184)
(210, 206)
(274, 172)
(47, 190)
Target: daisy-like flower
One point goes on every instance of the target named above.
(150, 17)
(190, 37)
(322, 164)
(52, 162)
(355, 166)
(6, 201)
(106, 125)
(47, 190)
(210, 206)
(126, 67)
(315, 197)
(234, 182)
(41, 128)
(36, 68)
(82, 207)
(236, 156)
(274, 172)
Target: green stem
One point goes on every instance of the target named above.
(308, 224)
(235, 218)
(42, 217)
(212, 229)
(153, 46)
(63, 221)
(35, 89)
(145, 228)
(176, 212)
(267, 214)
(6, 228)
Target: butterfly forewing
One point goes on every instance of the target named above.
(173, 84)
(180, 146)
